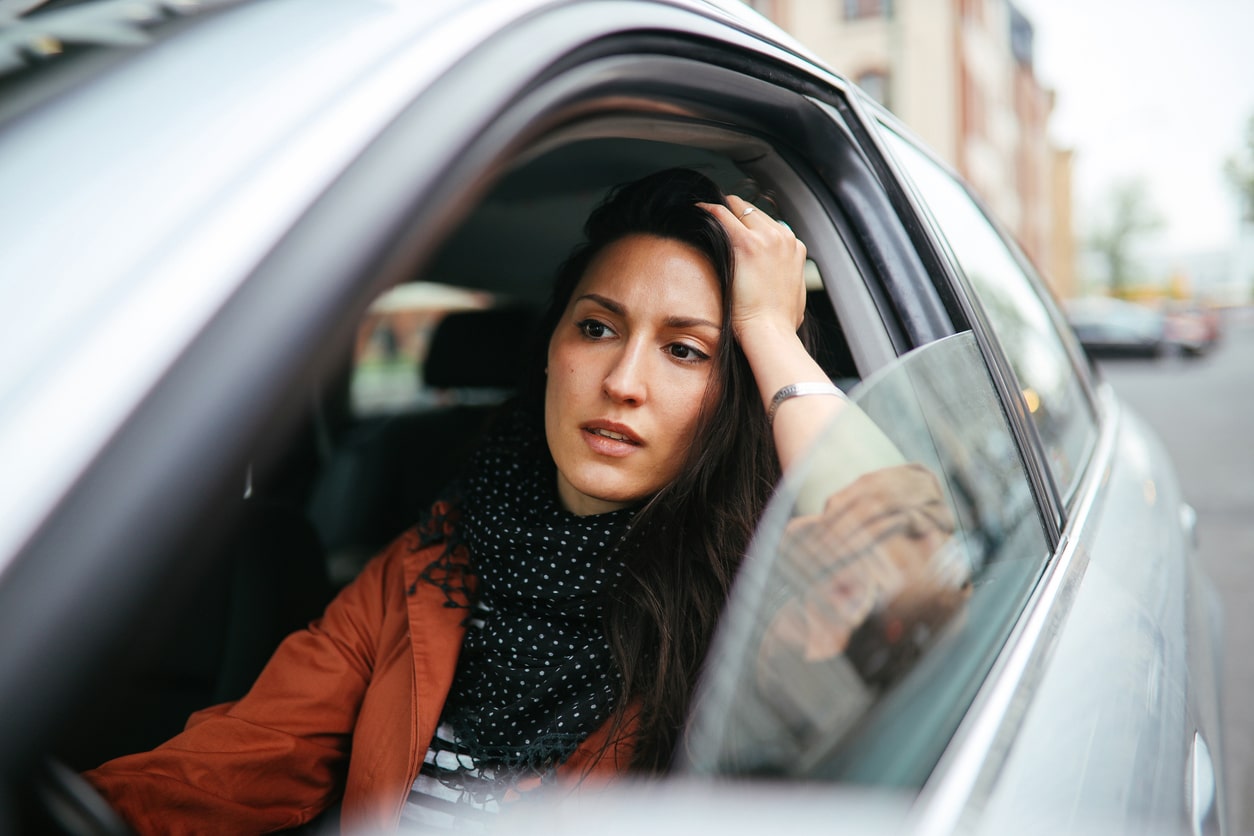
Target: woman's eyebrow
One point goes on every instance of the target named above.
(670, 322)
(605, 302)
(689, 322)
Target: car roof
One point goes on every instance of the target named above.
(141, 156)
(129, 172)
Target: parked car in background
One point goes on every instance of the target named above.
(1194, 328)
(1110, 327)
(205, 428)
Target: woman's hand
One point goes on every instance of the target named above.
(768, 303)
(767, 306)
(769, 288)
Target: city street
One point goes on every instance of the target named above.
(1202, 409)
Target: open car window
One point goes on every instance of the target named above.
(883, 581)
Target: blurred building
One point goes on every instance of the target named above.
(960, 73)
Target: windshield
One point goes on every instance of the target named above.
(883, 580)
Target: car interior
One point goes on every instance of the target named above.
(391, 422)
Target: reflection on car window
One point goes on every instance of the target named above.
(882, 583)
(1051, 388)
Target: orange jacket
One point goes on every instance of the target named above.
(348, 705)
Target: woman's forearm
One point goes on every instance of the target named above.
(778, 360)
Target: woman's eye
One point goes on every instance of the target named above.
(680, 351)
(594, 329)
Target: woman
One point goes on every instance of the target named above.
(547, 618)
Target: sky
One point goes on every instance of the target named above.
(1153, 89)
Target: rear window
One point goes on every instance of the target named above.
(394, 342)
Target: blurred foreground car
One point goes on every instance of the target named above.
(1114, 328)
(213, 408)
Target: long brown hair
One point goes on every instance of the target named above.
(687, 540)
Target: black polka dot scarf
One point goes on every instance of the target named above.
(537, 677)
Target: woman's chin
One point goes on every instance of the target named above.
(587, 497)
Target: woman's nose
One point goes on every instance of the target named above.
(625, 380)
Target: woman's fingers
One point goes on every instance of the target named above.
(769, 285)
(743, 209)
(719, 211)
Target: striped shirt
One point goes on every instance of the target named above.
(451, 792)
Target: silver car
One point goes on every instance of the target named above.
(252, 254)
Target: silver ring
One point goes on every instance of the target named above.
(748, 211)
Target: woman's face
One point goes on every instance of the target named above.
(629, 368)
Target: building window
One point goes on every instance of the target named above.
(858, 9)
(971, 106)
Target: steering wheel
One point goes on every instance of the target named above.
(72, 806)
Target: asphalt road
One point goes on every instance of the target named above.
(1203, 410)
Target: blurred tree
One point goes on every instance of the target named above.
(1131, 216)
(1239, 169)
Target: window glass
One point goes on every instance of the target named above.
(1051, 387)
(883, 581)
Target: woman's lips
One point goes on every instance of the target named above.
(611, 439)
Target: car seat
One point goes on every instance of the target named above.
(384, 472)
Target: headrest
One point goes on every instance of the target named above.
(480, 349)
